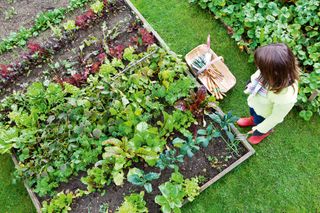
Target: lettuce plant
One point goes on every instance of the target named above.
(133, 203)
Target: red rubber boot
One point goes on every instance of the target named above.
(257, 139)
(245, 122)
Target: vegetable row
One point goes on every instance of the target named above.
(57, 130)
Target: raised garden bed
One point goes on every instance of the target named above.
(126, 113)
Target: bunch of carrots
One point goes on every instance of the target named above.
(209, 76)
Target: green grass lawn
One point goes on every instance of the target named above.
(283, 176)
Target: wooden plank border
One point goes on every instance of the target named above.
(246, 144)
(250, 149)
(32, 195)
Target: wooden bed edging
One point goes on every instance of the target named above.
(32, 195)
(247, 145)
(250, 149)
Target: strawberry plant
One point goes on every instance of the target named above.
(140, 178)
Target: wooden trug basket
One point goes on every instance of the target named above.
(228, 81)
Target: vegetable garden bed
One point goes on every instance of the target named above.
(131, 124)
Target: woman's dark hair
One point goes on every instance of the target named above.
(278, 66)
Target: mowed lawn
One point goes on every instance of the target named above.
(284, 174)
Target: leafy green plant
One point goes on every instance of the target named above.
(175, 190)
(171, 198)
(97, 7)
(178, 120)
(146, 143)
(187, 147)
(139, 178)
(56, 30)
(70, 25)
(207, 135)
(60, 203)
(120, 154)
(104, 208)
(168, 159)
(10, 13)
(97, 177)
(58, 130)
(129, 55)
(309, 85)
(192, 188)
(225, 123)
(133, 203)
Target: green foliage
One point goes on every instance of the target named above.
(60, 203)
(207, 135)
(171, 198)
(133, 203)
(309, 83)
(97, 177)
(67, 125)
(147, 143)
(139, 178)
(187, 147)
(178, 120)
(119, 153)
(260, 22)
(225, 123)
(70, 25)
(192, 188)
(175, 190)
(129, 55)
(168, 159)
(97, 7)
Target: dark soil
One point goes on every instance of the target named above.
(15, 53)
(71, 51)
(198, 165)
(26, 11)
